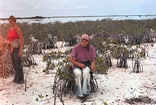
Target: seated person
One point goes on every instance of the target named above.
(83, 59)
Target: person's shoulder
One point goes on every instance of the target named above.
(17, 27)
(77, 45)
(91, 46)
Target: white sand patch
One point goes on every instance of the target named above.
(113, 88)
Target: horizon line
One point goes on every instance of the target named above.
(78, 16)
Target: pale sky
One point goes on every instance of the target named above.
(49, 8)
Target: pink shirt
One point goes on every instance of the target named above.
(82, 54)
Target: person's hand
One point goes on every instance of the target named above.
(5, 42)
(81, 65)
(93, 67)
(19, 53)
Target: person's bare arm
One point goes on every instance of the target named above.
(79, 64)
(93, 67)
(19, 32)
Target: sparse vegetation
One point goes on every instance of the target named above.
(112, 39)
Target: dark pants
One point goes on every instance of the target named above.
(18, 67)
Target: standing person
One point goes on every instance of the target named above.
(15, 42)
(83, 59)
(2, 48)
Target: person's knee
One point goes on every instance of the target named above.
(77, 72)
(86, 70)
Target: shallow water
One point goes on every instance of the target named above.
(78, 18)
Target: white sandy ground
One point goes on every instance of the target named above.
(113, 89)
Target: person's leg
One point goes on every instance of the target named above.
(78, 78)
(21, 75)
(86, 81)
(17, 64)
(14, 66)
